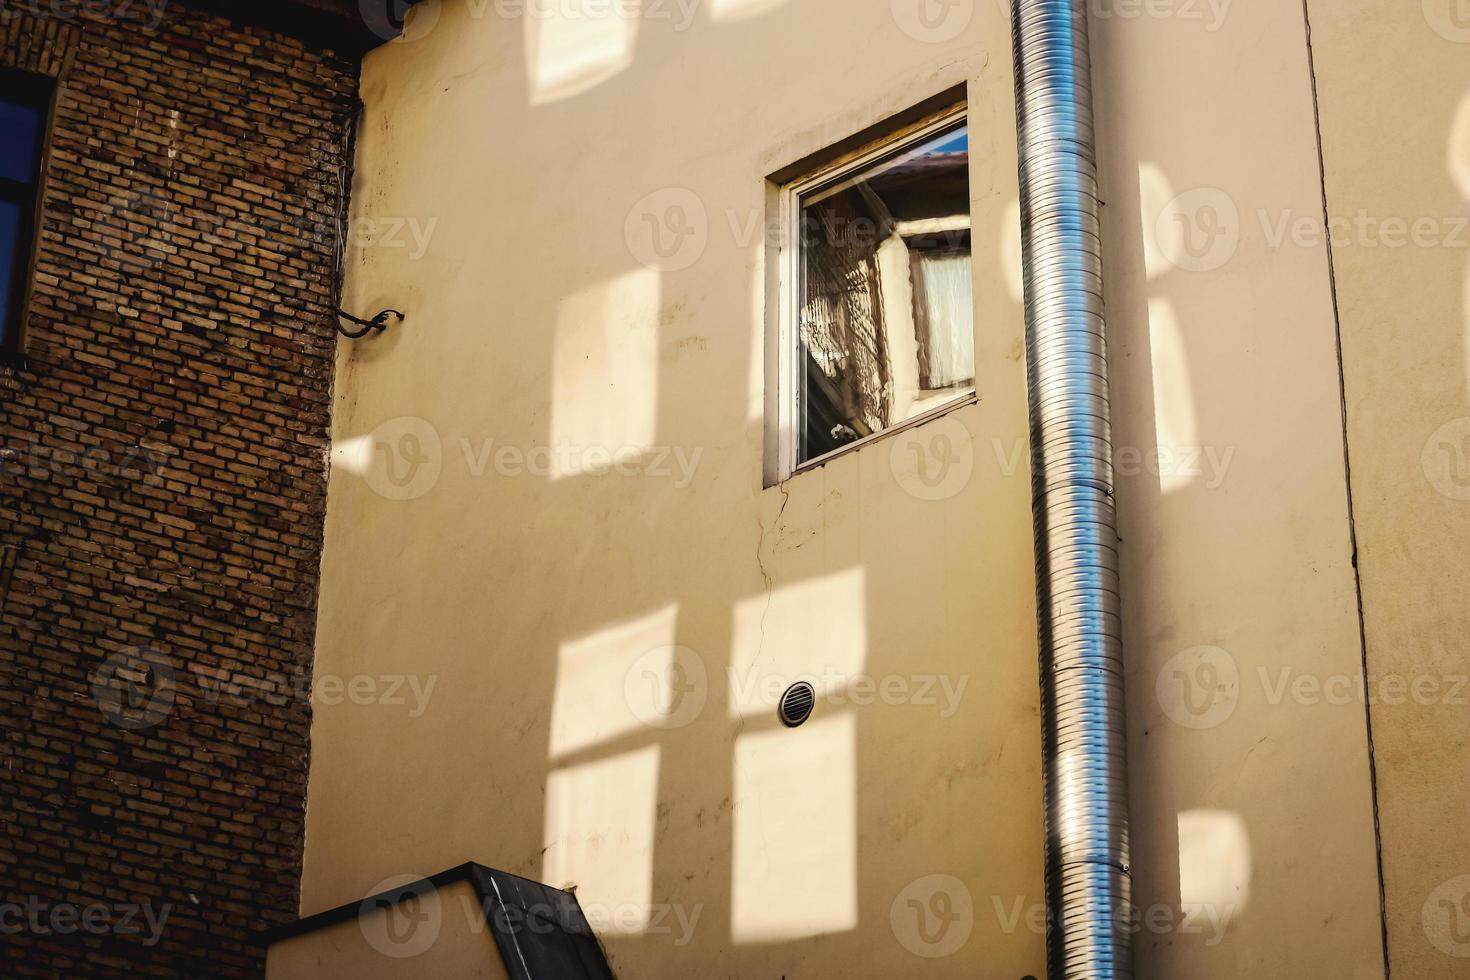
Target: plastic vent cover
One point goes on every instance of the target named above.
(797, 704)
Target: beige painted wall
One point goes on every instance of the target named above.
(711, 842)
(543, 598)
(1394, 81)
(1250, 804)
(440, 934)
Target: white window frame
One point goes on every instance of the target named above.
(788, 381)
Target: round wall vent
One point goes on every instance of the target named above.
(797, 704)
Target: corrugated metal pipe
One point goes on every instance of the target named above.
(1086, 785)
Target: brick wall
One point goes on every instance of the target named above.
(162, 489)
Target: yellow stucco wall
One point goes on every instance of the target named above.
(1394, 82)
(587, 507)
(1249, 802)
(545, 593)
(442, 933)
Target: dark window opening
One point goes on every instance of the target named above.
(25, 101)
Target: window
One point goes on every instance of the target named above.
(877, 327)
(24, 102)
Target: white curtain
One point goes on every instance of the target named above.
(944, 318)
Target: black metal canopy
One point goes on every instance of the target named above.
(352, 27)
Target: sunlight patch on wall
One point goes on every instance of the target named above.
(574, 47)
(1459, 163)
(1467, 320)
(756, 376)
(599, 835)
(1214, 864)
(1155, 193)
(1460, 148)
(1460, 174)
(355, 455)
(604, 384)
(1175, 425)
(814, 630)
(1010, 252)
(728, 10)
(597, 675)
(795, 860)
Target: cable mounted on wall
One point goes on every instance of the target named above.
(378, 323)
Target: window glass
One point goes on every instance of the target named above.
(20, 132)
(10, 225)
(23, 105)
(886, 328)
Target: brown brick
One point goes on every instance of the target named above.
(161, 484)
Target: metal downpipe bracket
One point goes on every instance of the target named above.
(1086, 785)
